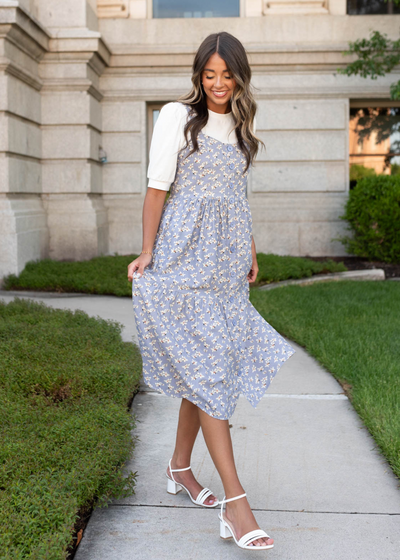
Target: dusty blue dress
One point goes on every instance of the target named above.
(200, 337)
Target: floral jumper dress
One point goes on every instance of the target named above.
(200, 337)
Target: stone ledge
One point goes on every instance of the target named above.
(373, 274)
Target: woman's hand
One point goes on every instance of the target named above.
(252, 275)
(138, 265)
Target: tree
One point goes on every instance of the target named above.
(376, 56)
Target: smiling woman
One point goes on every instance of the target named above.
(195, 8)
(201, 340)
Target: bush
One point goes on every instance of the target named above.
(108, 275)
(373, 213)
(395, 169)
(358, 172)
(101, 275)
(65, 383)
(274, 268)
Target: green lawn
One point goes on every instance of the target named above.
(65, 383)
(108, 275)
(353, 329)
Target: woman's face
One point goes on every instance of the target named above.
(218, 84)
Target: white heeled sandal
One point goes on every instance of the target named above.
(174, 487)
(226, 531)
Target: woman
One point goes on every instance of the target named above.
(200, 337)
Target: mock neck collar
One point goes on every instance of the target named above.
(220, 115)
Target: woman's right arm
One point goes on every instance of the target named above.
(167, 140)
(152, 209)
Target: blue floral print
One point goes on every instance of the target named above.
(200, 337)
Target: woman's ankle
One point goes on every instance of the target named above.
(180, 462)
(233, 492)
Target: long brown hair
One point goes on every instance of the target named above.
(242, 101)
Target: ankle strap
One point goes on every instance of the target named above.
(177, 470)
(231, 499)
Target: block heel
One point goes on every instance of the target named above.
(173, 487)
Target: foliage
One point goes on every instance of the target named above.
(395, 169)
(376, 56)
(373, 213)
(107, 275)
(274, 268)
(65, 382)
(101, 275)
(358, 172)
(352, 329)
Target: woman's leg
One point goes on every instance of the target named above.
(188, 428)
(219, 443)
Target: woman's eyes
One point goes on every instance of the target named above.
(212, 77)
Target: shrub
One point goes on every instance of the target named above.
(107, 275)
(358, 172)
(274, 268)
(373, 213)
(100, 275)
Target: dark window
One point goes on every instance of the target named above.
(374, 141)
(195, 8)
(371, 7)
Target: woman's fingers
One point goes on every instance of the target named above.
(137, 266)
(131, 269)
(252, 275)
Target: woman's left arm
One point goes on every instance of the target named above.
(252, 275)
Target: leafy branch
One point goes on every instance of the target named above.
(376, 56)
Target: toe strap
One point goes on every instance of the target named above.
(252, 536)
(203, 495)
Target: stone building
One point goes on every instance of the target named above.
(80, 79)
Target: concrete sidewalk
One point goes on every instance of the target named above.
(314, 478)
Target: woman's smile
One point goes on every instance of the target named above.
(220, 93)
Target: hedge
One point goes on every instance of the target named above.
(373, 213)
(108, 275)
(65, 383)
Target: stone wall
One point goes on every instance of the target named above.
(74, 80)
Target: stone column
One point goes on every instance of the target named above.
(71, 130)
(23, 225)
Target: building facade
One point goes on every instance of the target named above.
(81, 83)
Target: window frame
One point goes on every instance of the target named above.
(388, 13)
(364, 103)
(242, 10)
(150, 107)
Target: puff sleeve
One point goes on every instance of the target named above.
(167, 140)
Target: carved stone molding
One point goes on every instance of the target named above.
(112, 8)
(295, 7)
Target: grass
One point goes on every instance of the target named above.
(65, 383)
(353, 329)
(108, 275)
